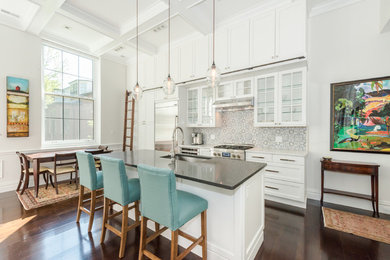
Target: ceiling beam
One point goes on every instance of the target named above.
(43, 16)
(143, 46)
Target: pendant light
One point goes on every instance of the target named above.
(213, 73)
(169, 85)
(137, 90)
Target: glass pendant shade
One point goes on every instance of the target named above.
(213, 76)
(169, 86)
(137, 92)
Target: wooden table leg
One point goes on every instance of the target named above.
(36, 176)
(322, 184)
(377, 193)
(373, 194)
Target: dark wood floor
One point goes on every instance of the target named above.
(52, 233)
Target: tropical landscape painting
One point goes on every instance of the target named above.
(17, 107)
(360, 119)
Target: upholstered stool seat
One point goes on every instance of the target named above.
(162, 203)
(119, 189)
(92, 180)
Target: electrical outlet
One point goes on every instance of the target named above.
(278, 139)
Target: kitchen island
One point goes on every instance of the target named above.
(233, 189)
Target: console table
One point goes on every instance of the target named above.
(350, 167)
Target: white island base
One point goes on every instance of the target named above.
(235, 219)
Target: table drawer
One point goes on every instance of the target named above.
(288, 159)
(295, 173)
(258, 157)
(284, 189)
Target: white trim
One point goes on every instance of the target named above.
(331, 5)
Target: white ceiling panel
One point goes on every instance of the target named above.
(61, 27)
(17, 13)
(159, 35)
(118, 13)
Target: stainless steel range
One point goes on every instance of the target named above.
(231, 151)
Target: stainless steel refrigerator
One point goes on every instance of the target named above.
(164, 122)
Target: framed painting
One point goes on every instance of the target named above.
(360, 116)
(17, 107)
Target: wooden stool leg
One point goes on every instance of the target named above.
(174, 244)
(125, 213)
(156, 226)
(105, 218)
(92, 209)
(143, 238)
(80, 204)
(137, 213)
(204, 234)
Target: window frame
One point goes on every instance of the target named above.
(95, 98)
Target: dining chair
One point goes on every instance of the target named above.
(172, 208)
(118, 188)
(26, 172)
(92, 180)
(64, 163)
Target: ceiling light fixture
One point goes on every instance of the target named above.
(169, 85)
(137, 90)
(213, 73)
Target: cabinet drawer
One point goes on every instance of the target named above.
(284, 189)
(288, 159)
(258, 157)
(295, 173)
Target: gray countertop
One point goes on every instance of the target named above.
(223, 173)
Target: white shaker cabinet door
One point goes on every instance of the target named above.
(239, 45)
(201, 57)
(221, 50)
(263, 39)
(291, 36)
(187, 61)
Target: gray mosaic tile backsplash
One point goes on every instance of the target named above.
(237, 127)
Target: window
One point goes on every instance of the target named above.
(68, 96)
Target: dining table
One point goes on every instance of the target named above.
(37, 158)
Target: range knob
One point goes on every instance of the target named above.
(234, 156)
(219, 154)
(238, 156)
(215, 154)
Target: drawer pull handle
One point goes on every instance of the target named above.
(258, 157)
(287, 160)
(272, 188)
(272, 171)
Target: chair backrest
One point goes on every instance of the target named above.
(65, 159)
(87, 170)
(158, 195)
(23, 162)
(115, 180)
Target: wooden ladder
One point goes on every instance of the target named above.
(128, 140)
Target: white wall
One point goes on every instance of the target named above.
(344, 45)
(20, 56)
(385, 16)
(113, 87)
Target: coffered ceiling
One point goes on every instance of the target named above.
(108, 27)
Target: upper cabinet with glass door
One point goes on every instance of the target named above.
(200, 110)
(280, 99)
(235, 89)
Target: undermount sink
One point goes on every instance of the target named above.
(187, 158)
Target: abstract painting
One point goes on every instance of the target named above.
(360, 116)
(17, 107)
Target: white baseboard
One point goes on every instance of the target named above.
(8, 186)
(384, 206)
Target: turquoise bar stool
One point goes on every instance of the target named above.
(119, 189)
(91, 180)
(162, 203)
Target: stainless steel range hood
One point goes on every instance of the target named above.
(234, 104)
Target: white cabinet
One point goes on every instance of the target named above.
(200, 110)
(187, 61)
(222, 50)
(145, 121)
(201, 57)
(279, 34)
(280, 99)
(291, 30)
(239, 49)
(263, 31)
(235, 89)
(147, 72)
(161, 68)
(284, 177)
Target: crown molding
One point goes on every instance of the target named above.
(331, 5)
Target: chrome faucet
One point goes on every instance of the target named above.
(174, 134)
